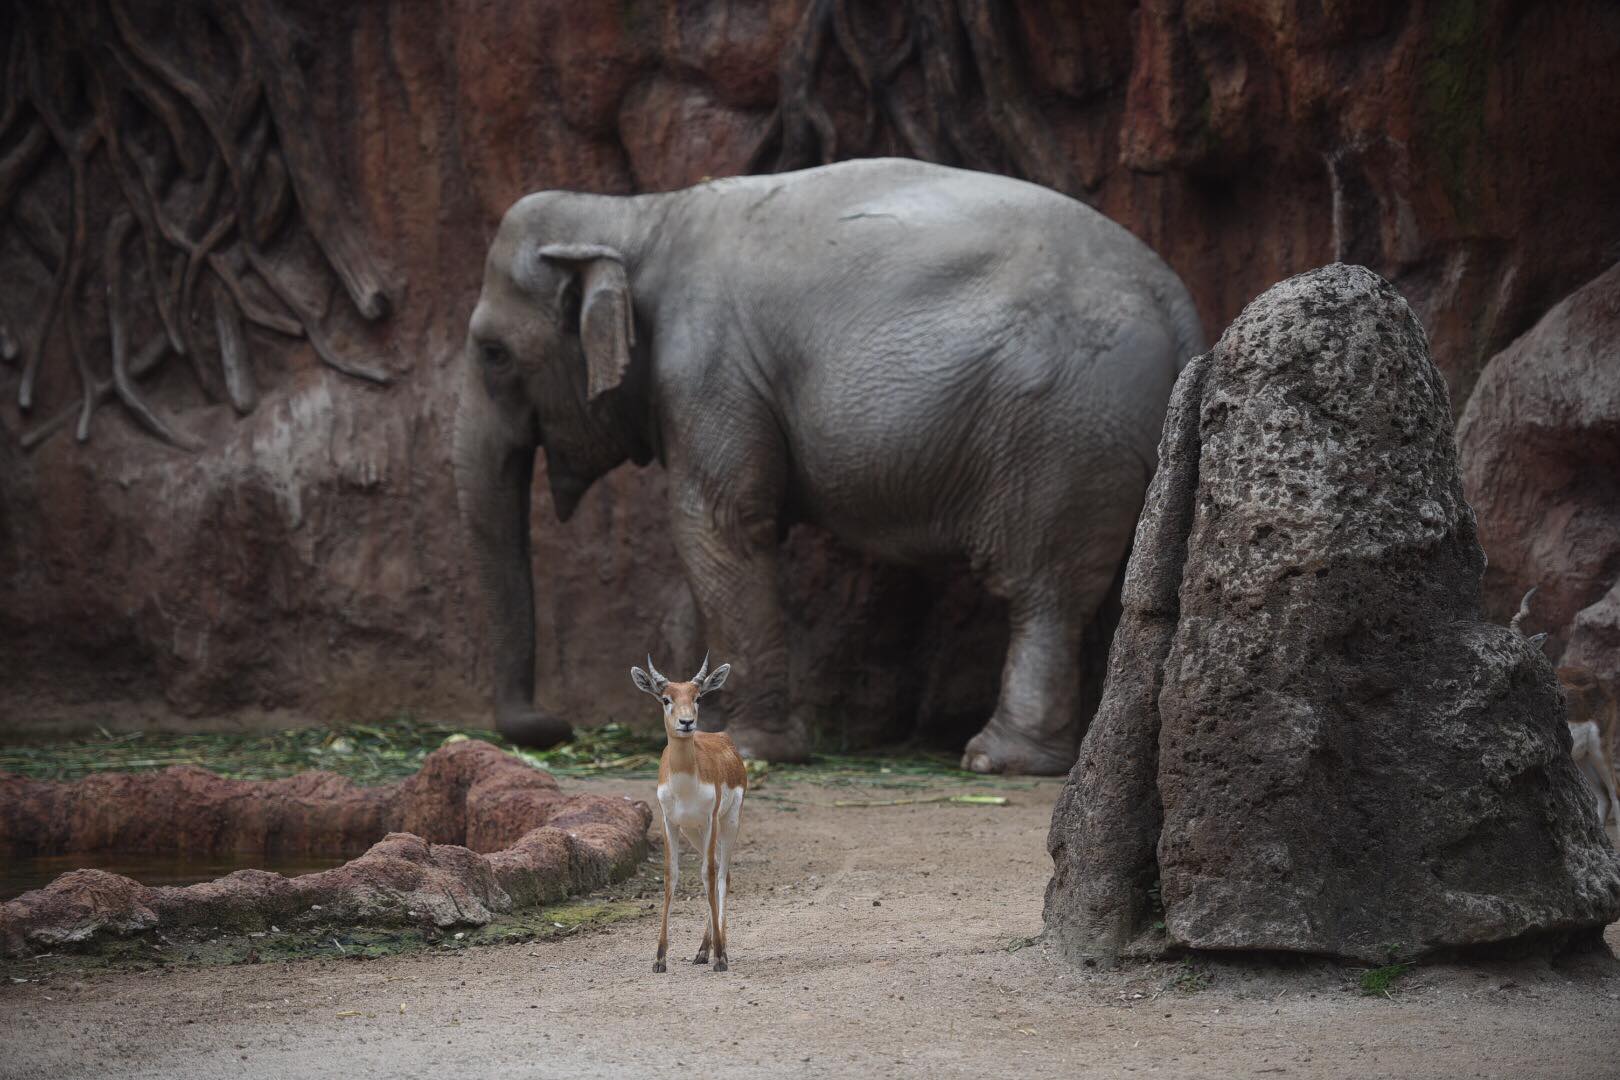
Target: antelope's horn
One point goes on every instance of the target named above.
(702, 671)
(657, 678)
(1524, 610)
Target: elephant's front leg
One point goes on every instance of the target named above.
(1036, 721)
(729, 554)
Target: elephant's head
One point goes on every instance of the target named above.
(549, 361)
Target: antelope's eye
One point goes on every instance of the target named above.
(494, 356)
(667, 701)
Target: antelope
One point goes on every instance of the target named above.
(1587, 701)
(1594, 717)
(701, 783)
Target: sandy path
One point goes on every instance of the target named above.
(868, 942)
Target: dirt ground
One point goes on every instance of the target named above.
(886, 941)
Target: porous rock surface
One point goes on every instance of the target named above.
(1540, 443)
(486, 833)
(1311, 740)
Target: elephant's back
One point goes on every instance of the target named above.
(897, 233)
(913, 209)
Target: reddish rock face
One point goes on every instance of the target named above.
(75, 908)
(306, 563)
(494, 833)
(189, 810)
(1540, 439)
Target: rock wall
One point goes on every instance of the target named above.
(303, 562)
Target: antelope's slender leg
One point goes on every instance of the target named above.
(726, 830)
(711, 881)
(708, 938)
(672, 872)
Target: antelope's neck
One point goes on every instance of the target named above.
(681, 756)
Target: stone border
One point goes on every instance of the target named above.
(475, 832)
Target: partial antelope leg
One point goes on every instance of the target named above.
(726, 838)
(711, 880)
(672, 872)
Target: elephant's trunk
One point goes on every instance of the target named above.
(494, 467)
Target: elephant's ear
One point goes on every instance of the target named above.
(607, 323)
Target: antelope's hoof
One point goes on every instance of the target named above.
(658, 966)
(720, 965)
(701, 958)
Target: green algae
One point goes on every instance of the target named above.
(311, 940)
(1453, 83)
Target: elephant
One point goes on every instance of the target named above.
(931, 363)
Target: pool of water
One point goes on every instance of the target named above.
(18, 876)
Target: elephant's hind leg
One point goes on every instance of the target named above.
(1036, 723)
(1052, 598)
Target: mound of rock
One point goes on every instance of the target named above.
(1310, 739)
(186, 809)
(486, 833)
(1540, 439)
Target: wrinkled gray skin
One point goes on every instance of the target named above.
(931, 363)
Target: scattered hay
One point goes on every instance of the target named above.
(392, 750)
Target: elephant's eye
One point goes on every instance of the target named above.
(494, 356)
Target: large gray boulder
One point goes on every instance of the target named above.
(1310, 740)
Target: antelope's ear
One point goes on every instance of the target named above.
(643, 681)
(716, 679)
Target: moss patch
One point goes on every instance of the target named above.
(1453, 84)
(1377, 982)
(310, 939)
(1190, 978)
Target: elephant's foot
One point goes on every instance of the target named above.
(998, 749)
(756, 745)
(532, 728)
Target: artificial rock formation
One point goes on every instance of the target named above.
(304, 561)
(1540, 443)
(1311, 740)
(193, 169)
(478, 832)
